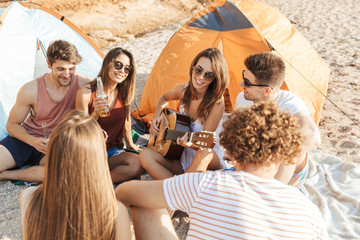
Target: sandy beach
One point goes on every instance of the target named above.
(331, 26)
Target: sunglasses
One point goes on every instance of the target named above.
(247, 82)
(119, 65)
(208, 76)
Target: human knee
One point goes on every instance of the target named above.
(6, 159)
(136, 167)
(145, 158)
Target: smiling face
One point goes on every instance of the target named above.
(199, 81)
(253, 93)
(118, 76)
(62, 72)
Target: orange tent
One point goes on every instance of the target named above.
(238, 29)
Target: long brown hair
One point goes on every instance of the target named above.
(215, 91)
(127, 87)
(76, 200)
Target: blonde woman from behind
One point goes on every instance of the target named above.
(76, 200)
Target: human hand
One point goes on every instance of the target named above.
(40, 144)
(154, 130)
(184, 141)
(135, 147)
(100, 104)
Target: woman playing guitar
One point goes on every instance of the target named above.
(202, 100)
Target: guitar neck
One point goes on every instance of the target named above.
(173, 134)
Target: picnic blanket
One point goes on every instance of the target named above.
(334, 186)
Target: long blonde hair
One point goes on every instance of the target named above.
(76, 200)
(215, 91)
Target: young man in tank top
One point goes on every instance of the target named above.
(262, 80)
(40, 105)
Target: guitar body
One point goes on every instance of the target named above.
(173, 121)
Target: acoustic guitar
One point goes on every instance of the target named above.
(172, 126)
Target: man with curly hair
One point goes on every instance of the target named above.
(244, 204)
(40, 105)
(262, 80)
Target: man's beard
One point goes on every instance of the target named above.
(64, 84)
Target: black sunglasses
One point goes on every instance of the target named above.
(247, 82)
(208, 76)
(119, 65)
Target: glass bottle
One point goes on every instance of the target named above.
(105, 112)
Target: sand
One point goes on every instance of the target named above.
(330, 25)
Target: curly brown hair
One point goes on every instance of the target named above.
(261, 135)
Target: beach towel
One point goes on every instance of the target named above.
(333, 185)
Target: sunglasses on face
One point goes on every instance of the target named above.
(208, 76)
(119, 65)
(247, 82)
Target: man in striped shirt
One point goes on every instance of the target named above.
(244, 204)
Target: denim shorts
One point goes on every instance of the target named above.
(114, 151)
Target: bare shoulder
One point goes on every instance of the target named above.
(83, 96)
(85, 89)
(24, 200)
(178, 90)
(30, 86)
(215, 115)
(217, 111)
(219, 106)
(28, 92)
(175, 93)
(83, 79)
(26, 195)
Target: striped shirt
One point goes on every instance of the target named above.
(238, 205)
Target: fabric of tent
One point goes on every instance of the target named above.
(26, 30)
(238, 29)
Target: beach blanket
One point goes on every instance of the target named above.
(334, 186)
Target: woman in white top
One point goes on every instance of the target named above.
(76, 200)
(202, 100)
